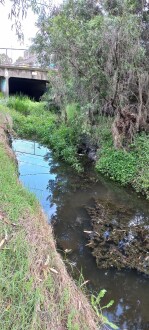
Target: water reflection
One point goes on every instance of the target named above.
(64, 196)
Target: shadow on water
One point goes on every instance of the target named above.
(65, 195)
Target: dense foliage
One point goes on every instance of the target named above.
(99, 50)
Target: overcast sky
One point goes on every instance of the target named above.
(7, 36)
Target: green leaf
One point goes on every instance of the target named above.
(108, 305)
(100, 295)
(112, 325)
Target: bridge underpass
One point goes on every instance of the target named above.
(20, 73)
(33, 88)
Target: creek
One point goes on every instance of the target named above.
(65, 197)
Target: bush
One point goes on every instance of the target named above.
(141, 181)
(119, 165)
(1, 95)
(127, 167)
(72, 110)
(63, 141)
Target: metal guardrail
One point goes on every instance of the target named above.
(18, 57)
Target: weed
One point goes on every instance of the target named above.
(71, 325)
(127, 167)
(24, 105)
(95, 302)
(119, 165)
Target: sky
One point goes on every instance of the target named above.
(7, 35)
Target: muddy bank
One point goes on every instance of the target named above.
(117, 243)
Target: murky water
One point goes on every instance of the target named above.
(64, 196)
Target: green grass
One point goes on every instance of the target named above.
(18, 296)
(24, 105)
(31, 120)
(12, 194)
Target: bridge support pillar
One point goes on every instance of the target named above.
(6, 84)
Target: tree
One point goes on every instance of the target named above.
(19, 8)
(102, 54)
(5, 59)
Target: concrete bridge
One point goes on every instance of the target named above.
(30, 81)
(20, 72)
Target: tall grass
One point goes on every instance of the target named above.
(24, 105)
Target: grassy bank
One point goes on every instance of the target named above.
(128, 167)
(35, 289)
(33, 120)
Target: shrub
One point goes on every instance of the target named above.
(127, 167)
(141, 181)
(72, 110)
(119, 165)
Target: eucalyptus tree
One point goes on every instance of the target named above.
(18, 10)
(101, 51)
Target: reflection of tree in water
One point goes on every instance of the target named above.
(130, 293)
(132, 310)
(123, 195)
(67, 182)
(72, 193)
